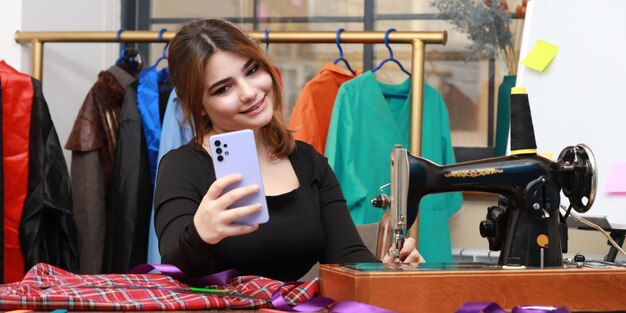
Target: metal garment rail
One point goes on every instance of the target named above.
(417, 40)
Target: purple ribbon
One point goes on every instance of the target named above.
(312, 305)
(320, 303)
(491, 307)
(478, 307)
(353, 306)
(220, 278)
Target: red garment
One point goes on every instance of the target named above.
(46, 287)
(17, 100)
(311, 115)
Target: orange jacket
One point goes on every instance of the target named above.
(311, 115)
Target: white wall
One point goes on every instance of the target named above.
(578, 98)
(10, 21)
(69, 68)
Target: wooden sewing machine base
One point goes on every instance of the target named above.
(599, 287)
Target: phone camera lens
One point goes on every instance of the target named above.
(218, 150)
(226, 153)
(220, 158)
(217, 143)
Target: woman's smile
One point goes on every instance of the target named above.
(257, 107)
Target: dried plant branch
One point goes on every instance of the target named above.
(486, 25)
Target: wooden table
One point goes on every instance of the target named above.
(580, 289)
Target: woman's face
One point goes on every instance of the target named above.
(237, 94)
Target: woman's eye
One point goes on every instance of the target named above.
(221, 90)
(253, 70)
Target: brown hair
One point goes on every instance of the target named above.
(189, 52)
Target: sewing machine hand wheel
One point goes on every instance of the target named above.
(579, 176)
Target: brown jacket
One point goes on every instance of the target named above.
(93, 142)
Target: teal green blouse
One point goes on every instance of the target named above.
(364, 127)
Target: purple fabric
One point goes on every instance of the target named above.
(220, 278)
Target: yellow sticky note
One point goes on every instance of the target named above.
(540, 56)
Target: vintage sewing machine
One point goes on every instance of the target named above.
(526, 225)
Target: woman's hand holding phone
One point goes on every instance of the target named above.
(235, 203)
(214, 219)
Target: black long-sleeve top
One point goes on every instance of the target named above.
(308, 224)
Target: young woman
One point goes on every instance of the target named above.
(226, 83)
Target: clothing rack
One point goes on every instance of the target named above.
(417, 40)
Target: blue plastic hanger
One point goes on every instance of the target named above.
(122, 57)
(164, 55)
(390, 54)
(128, 56)
(391, 58)
(341, 58)
(267, 41)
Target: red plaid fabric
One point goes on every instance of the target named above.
(46, 287)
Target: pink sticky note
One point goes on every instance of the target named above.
(616, 178)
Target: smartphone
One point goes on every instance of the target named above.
(235, 152)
